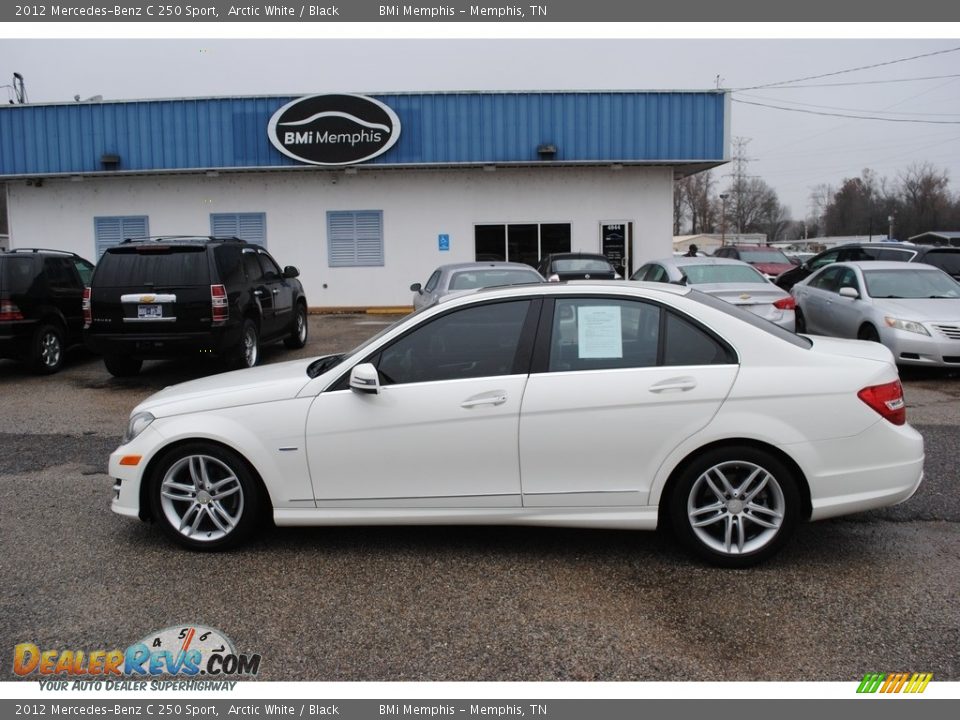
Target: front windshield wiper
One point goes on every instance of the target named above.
(321, 365)
(942, 297)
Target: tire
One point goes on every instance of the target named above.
(46, 349)
(868, 332)
(247, 353)
(710, 517)
(122, 365)
(204, 496)
(800, 322)
(298, 334)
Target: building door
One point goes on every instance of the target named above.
(616, 238)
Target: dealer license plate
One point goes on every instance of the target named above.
(146, 312)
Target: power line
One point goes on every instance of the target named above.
(850, 117)
(850, 70)
(845, 109)
(860, 82)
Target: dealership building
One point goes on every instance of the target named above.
(365, 194)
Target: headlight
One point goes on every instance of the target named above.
(138, 423)
(908, 325)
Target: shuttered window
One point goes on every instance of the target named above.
(109, 231)
(355, 238)
(251, 227)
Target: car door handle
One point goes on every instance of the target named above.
(681, 384)
(497, 397)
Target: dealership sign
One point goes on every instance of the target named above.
(334, 129)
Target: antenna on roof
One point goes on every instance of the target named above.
(18, 89)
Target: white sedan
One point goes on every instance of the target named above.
(624, 405)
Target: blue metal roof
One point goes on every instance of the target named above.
(437, 129)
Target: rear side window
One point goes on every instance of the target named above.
(153, 266)
(59, 273)
(229, 265)
(17, 274)
(946, 260)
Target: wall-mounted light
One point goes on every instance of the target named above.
(547, 151)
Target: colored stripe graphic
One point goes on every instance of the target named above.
(894, 682)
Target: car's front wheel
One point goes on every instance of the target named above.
(205, 496)
(735, 506)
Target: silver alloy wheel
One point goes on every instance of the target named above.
(250, 349)
(202, 498)
(736, 507)
(50, 349)
(301, 327)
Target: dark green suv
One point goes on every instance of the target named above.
(181, 297)
(41, 294)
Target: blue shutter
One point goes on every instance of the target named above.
(251, 227)
(109, 231)
(355, 238)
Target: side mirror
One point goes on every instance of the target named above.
(849, 292)
(365, 379)
(417, 288)
(291, 272)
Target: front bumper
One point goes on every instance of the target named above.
(909, 348)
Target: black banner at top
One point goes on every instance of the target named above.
(454, 11)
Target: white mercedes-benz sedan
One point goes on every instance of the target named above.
(602, 405)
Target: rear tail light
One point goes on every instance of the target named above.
(87, 309)
(787, 303)
(218, 303)
(887, 400)
(9, 311)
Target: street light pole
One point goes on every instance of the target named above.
(723, 218)
(890, 227)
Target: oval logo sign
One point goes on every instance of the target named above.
(334, 129)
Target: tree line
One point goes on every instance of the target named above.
(918, 199)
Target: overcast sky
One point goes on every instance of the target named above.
(792, 151)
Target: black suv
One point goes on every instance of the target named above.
(41, 300)
(943, 257)
(181, 296)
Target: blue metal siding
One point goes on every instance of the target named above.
(437, 129)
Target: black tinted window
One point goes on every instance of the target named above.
(601, 333)
(827, 280)
(229, 265)
(946, 260)
(17, 274)
(686, 344)
(84, 270)
(59, 272)
(270, 268)
(251, 266)
(153, 266)
(476, 341)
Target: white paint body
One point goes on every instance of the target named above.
(591, 448)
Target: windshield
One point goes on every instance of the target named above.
(581, 265)
(764, 255)
(910, 283)
(492, 277)
(708, 274)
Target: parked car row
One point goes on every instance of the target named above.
(182, 296)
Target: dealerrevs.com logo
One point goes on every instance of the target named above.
(189, 650)
(334, 129)
(888, 683)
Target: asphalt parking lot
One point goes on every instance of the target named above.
(876, 592)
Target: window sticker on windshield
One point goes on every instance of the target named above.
(599, 332)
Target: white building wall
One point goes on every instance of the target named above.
(417, 205)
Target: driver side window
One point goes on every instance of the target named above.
(476, 341)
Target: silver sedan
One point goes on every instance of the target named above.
(913, 309)
(470, 276)
(734, 281)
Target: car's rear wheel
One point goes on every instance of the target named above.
(247, 353)
(205, 496)
(735, 506)
(800, 322)
(46, 354)
(298, 335)
(868, 332)
(122, 365)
